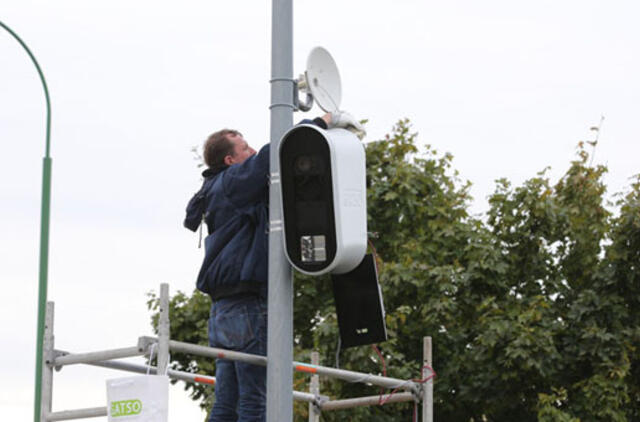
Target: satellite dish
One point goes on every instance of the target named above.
(321, 81)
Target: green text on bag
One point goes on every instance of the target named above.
(125, 408)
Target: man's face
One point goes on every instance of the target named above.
(241, 150)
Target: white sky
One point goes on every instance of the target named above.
(507, 87)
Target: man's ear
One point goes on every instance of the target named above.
(228, 160)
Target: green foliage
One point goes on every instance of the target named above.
(533, 310)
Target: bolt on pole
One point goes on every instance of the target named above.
(280, 298)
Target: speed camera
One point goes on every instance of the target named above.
(324, 204)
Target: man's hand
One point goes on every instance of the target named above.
(344, 120)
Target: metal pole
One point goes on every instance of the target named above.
(365, 401)
(183, 376)
(350, 376)
(427, 391)
(67, 415)
(360, 377)
(47, 368)
(280, 297)
(314, 415)
(44, 232)
(163, 330)
(213, 352)
(72, 359)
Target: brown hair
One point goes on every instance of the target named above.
(217, 146)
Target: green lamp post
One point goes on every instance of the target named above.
(44, 235)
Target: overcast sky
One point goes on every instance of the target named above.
(507, 87)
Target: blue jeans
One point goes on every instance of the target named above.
(240, 324)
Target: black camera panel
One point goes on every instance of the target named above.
(307, 194)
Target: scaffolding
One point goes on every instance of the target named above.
(54, 359)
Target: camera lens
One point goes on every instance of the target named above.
(304, 164)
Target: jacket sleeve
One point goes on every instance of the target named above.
(195, 209)
(248, 181)
(318, 121)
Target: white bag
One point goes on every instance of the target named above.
(142, 398)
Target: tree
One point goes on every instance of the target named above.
(533, 309)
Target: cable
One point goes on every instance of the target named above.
(153, 347)
(384, 365)
(376, 257)
(382, 401)
(338, 352)
(424, 380)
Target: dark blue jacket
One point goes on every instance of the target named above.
(233, 202)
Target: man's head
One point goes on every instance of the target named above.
(226, 147)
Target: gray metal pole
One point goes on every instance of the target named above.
(184, 376)
(353, 376)
(365, 401)
(47, 369)
(427, 391)
(163, 330)
(213, 352)
(67, 415)
(314, 415)
(350, 376)
(75, 358)
(280, 305)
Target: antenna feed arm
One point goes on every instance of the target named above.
(301, 86)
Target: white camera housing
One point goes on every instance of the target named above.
(324, 199)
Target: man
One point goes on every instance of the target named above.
(233, 203)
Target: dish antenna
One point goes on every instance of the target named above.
(320, 82)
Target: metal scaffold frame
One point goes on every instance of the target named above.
(416, 391)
